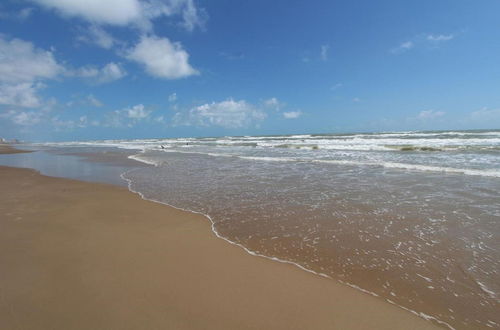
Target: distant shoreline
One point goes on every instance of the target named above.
(9, 149)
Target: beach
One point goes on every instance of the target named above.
(78, 255)
(7, 149)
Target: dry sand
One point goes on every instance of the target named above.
(76, 255)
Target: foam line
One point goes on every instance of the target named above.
(401, 166)
(253, 253)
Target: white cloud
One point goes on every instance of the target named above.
(191, 15)
(227, 114)
(111, 72)
(108, 73)
(82, 122)
(25, 13)
(137, 112)
(487, 115)
(23, 118)
(324, 52)
(27, 118)
(21, 62)
(88, 100)
(439, 37)
(114, 12)
(292, 114)
(422, 40)
(21, 95)
(96, 35)
(273, 103)
(94, 101)
(172, 97)
(430, 114)
(127, 117)
(403, 47)
(406, 45)
(87, 72)
(160, 120)
(22, 67)
(356, 100)
(161, 58)
(19, 15)
(139, 13)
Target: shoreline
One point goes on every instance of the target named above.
(282, 296)
(9, 149)
(288, 262)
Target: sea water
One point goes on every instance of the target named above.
(410, 217)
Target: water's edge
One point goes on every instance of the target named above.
(253, 253)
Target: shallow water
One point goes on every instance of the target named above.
(411, 217)
(62, 162)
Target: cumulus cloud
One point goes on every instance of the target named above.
(96, 35)
(114, 12)
(273, 103)
(23, 118)
(108, 73)
(87, 100)
(292, 114)
(64, 125)
(192, 16)
(137, 112)
(139, 13)
(127, 117)
(111, 72)
(22, 68)
(21, 61)
(26, 118)
(21, 95)
(227, 114)
(161, 58)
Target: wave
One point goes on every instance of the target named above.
(392, 165)
(390, 141)
(143, 159)
(414, 148)
(418, 167)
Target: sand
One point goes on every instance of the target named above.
(7, 149)
(76, 255)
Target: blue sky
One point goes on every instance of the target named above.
(91, 69)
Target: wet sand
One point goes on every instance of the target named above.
(7, 149)
(78, 255)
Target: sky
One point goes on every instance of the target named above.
(124, 69)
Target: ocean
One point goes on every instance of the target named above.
(410, 217)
